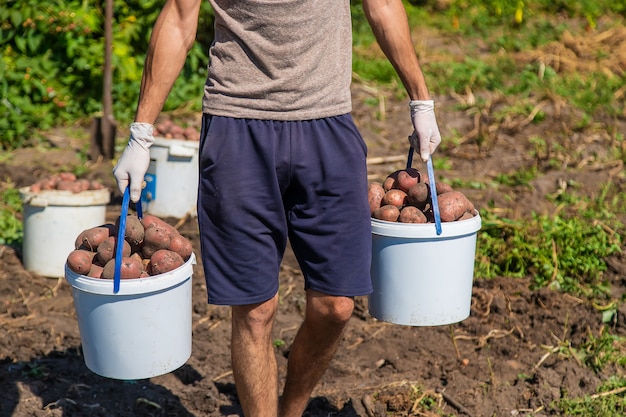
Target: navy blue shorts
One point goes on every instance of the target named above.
(263, 182)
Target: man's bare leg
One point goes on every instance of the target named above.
(313, 348)
(253, 358)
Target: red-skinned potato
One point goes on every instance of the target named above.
(452, 205)
(375, 194)
(67, 185)
(407, 178)
(442, 187)
(150, 220)
(107, 249)
(419, 195)
(95, 271)
(411, 214)
(90, 239)
(466, 216)
(66, 176)
(155, 238)
(394, 197)
(134, 231)
(130, 268)
(181, 245)
(387, 212)
(391, 181)
(80, 260)
(163, 261)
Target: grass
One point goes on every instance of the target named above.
(607, 402)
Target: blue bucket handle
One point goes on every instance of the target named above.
(121, 235)
(433, 187)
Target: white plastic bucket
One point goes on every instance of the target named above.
(52, 220)
(142, 331)
(172, 178)
(421, 278)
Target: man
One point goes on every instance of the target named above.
(280, 158)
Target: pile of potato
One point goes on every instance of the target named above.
(66, 181)
(405, 197)
(151, 247)
(170, 130)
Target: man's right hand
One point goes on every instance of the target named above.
(133, 164)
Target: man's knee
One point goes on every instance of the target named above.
(256, 317)
(330, 309)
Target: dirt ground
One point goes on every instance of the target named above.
(504, 360)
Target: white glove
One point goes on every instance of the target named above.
(426, 136)
(133, 164)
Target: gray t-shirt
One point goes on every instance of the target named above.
(280, 59)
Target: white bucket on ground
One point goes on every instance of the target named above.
(142, 331)
(52, 221)
(172, 178)
(421, 278)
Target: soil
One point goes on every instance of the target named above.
(512, 356)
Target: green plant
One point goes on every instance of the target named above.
(607, 402)
(520, 177)
(11, 229)
(35, 370)
(605, 349)
(51, 60)
(565, 252)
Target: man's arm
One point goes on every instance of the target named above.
(172, 37)
(390, 25)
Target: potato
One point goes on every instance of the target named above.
(375, 194)
(137, 256)
(452, 205)
(442, 187)
(66, 176)
(134, 231)
(95, 271)
(107, 249)
(164, 126)
(176, 132)
(419, 195)
(80, 261)
(191, 133)
(394, 197)
(181, 245)
(47, 184)
(407, 178)
(82, 184)
(150, 220)
(411, 214)
(67, 185)
(164, 260)
(130, 268)
(155, 238)
(391, 181)
(387, 212)
(466, 216)
(90, 239)
(96, 185)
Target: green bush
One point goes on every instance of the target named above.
(52, 57)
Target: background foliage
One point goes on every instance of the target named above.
(52, 53)
(53, 56)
